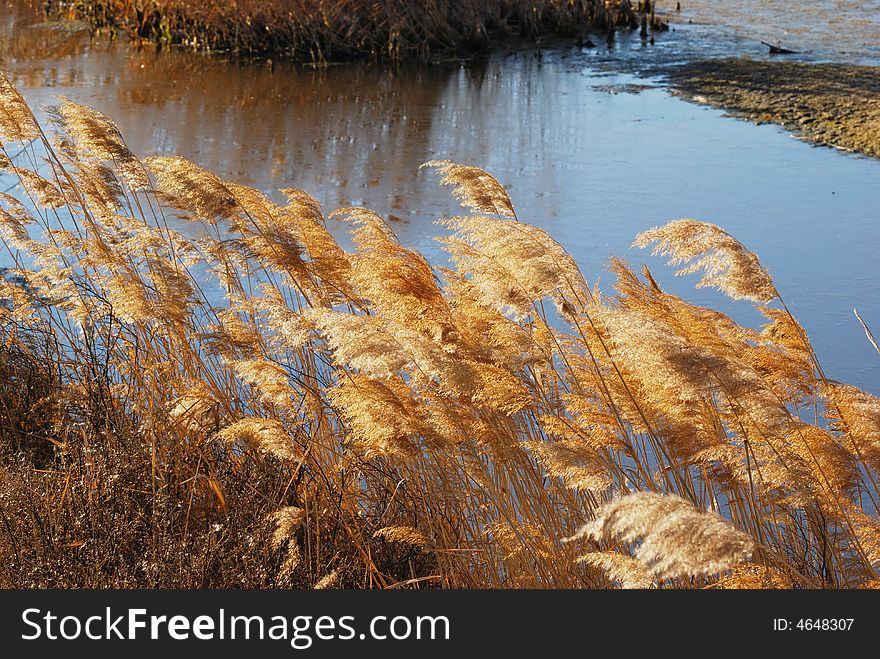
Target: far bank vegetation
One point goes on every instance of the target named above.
(318, 31)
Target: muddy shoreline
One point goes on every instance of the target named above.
(834, 105)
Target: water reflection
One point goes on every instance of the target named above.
(26, 35)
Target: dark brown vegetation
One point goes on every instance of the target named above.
(316, 31)
(256, 406)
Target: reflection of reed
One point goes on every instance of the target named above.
(355, 132)
(24, 34)
(351, 124)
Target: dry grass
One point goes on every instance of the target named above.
(344, 29)
(363, 419)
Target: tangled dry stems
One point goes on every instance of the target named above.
(309, 30)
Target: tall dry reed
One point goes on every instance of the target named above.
(259, 407)
(315, 31)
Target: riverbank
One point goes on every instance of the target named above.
(396, 30)
(834, 105)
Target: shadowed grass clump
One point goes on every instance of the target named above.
(248, 404)
(315, 31)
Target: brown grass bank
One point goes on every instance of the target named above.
(258, 407)
(316, 31)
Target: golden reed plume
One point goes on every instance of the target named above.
(676, 539)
